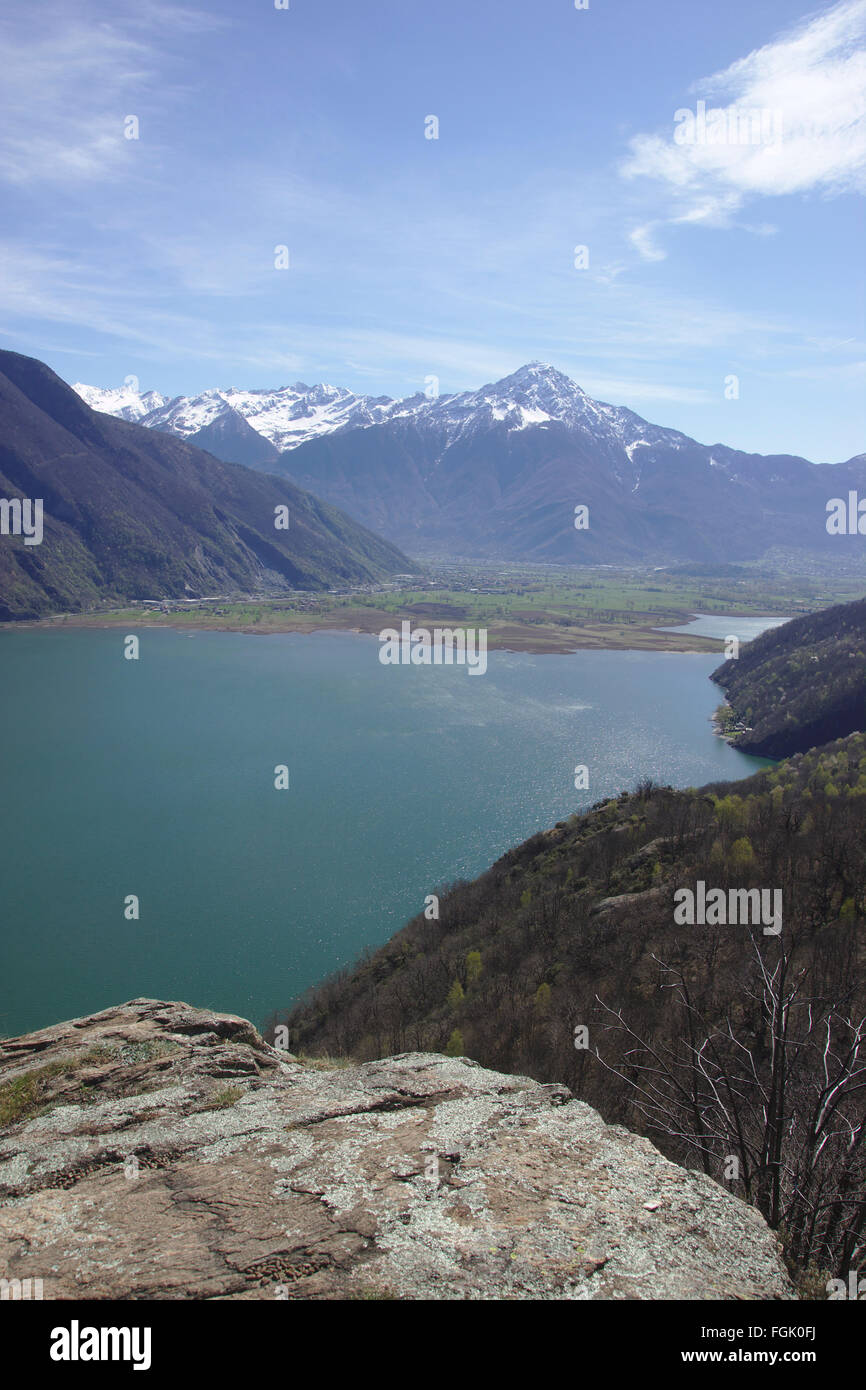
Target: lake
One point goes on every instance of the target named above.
(155, 778)
(736, 625)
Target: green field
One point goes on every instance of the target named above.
(523, 608)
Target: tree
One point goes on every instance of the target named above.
(787, 1105)
(455, 1046)
(473, 966)
(542, 1000)
(742, 855)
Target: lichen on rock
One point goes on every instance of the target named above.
(167, 1152)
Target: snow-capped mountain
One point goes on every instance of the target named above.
(284, 417)
(499, 471)
(289, 416)
(125, 402)
(535, 396)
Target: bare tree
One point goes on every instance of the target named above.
(777, 1108)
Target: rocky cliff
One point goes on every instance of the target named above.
(159, 1151)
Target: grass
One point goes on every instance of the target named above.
(523, 608)
(18, 1098)
(224, 1098)
(325, 1063)
(25, 1095)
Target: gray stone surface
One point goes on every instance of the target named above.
(162, 1151)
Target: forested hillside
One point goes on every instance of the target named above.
(691, 1031)
(799, 685)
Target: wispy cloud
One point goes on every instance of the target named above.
(794, 122)
(71, 79)
(641, 239)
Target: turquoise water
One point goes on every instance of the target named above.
(156, 778)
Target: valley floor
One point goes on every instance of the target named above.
(524, 609)
(512, 636)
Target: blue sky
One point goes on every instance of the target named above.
(452, 257)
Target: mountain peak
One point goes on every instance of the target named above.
(539, 371)
(538, 368)
(541, 379)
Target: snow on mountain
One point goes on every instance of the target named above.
(285, 417)
(125, 402)
(537, 395)
(497, 472)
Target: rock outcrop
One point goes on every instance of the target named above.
(159, 1151)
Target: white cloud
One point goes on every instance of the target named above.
(808, 88)
(69, 81)
(641, 239)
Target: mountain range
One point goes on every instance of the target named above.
(498, 472)
(134, 513)
(255, 426)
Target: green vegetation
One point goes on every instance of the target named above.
(799, 685)
(473, 966)
(222, 1099)
(456, 995)
(576, 927)
(523, 609)
(325, 1063)
(19, 1098)
(627, 596)
(29, 1094)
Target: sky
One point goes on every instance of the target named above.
(155, 156)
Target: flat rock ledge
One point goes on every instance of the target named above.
(158, 1151)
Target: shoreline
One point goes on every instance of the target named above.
(535, 639)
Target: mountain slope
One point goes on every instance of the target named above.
(588, 905)
(498, 472)
(132, 513)
(565, 961)
(798, 685)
